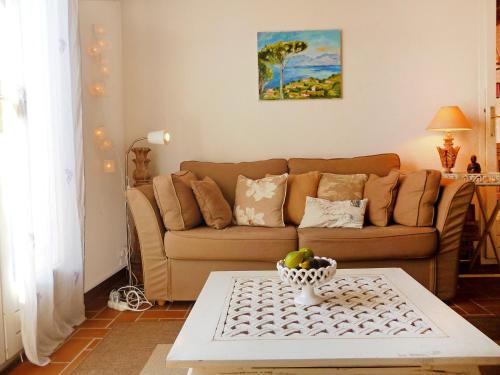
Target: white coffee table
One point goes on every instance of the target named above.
(374, 321)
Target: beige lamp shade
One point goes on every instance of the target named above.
(160, 137)
(449, 119)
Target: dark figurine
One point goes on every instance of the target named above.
(474, 166)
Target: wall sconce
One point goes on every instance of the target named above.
(109, 166)
(97, 89)
(106, 145)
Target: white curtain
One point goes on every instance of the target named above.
(41, 175)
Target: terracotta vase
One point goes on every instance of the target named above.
(141, 173)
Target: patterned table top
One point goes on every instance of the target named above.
(355, 306)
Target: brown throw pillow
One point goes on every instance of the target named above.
(176, 200)
(341, 187)
(298, 188)
(417, 195)
(381, 194)
(260, 202)
(214, 207)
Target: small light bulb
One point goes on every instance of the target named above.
(99, 30)
(109, 166)
(106, 145)
(166, 137)
(97, 89)
(94, 51)
(103, 43)
(104, 70)
(99, 132)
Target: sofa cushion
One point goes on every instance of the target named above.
(381, 194)
(341, 187)
(176, 200)
(213, 206)
(380, 165)
(232, 243)
(417, 195)
(226, 174)
(371, 242)
(299, 187)
(322, 213)
(260, 202)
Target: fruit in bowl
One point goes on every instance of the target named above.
(302, 269)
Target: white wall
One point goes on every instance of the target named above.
(191, 66)
(105, 236)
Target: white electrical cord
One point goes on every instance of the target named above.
(130, 298)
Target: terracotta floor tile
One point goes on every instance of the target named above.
(95, 323)
(90, 332)
(168, 314)
(91, 314)
(472, 309)
(181, 305)
(31, 369)
(491, 305)
(128, 316)
(94, 343)
(70, 350)
(107, 313)
(73, 365)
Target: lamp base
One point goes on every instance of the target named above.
(448, 154)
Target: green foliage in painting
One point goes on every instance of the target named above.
(308, 88)
(277, 54)
(265, 75)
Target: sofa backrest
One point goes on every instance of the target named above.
(380, 165)
(226, 174)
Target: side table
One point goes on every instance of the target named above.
(482, 181)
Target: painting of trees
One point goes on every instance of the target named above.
(277, 54)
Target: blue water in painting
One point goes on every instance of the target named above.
(296, 73)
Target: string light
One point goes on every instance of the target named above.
(106, 145)
(94, 50)
(104, 70)
(103, 43)
(99, 30)
(109, 166)
(100, 133)
(97, 89)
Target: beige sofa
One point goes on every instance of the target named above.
(177, 263)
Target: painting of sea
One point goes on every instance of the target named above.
(299, 64)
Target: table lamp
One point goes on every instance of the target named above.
(449, 119)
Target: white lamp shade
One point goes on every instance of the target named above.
(159, 137)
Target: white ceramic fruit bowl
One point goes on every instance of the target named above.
(307, 280)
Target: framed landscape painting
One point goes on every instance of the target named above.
(300, 64)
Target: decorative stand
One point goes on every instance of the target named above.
(482, 181)
(141, 175)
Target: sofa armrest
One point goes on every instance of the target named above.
(150, 231)
(452, 209)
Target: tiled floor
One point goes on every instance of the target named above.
(478, 300)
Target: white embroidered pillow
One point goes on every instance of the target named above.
(322, 213)
(260, 202)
